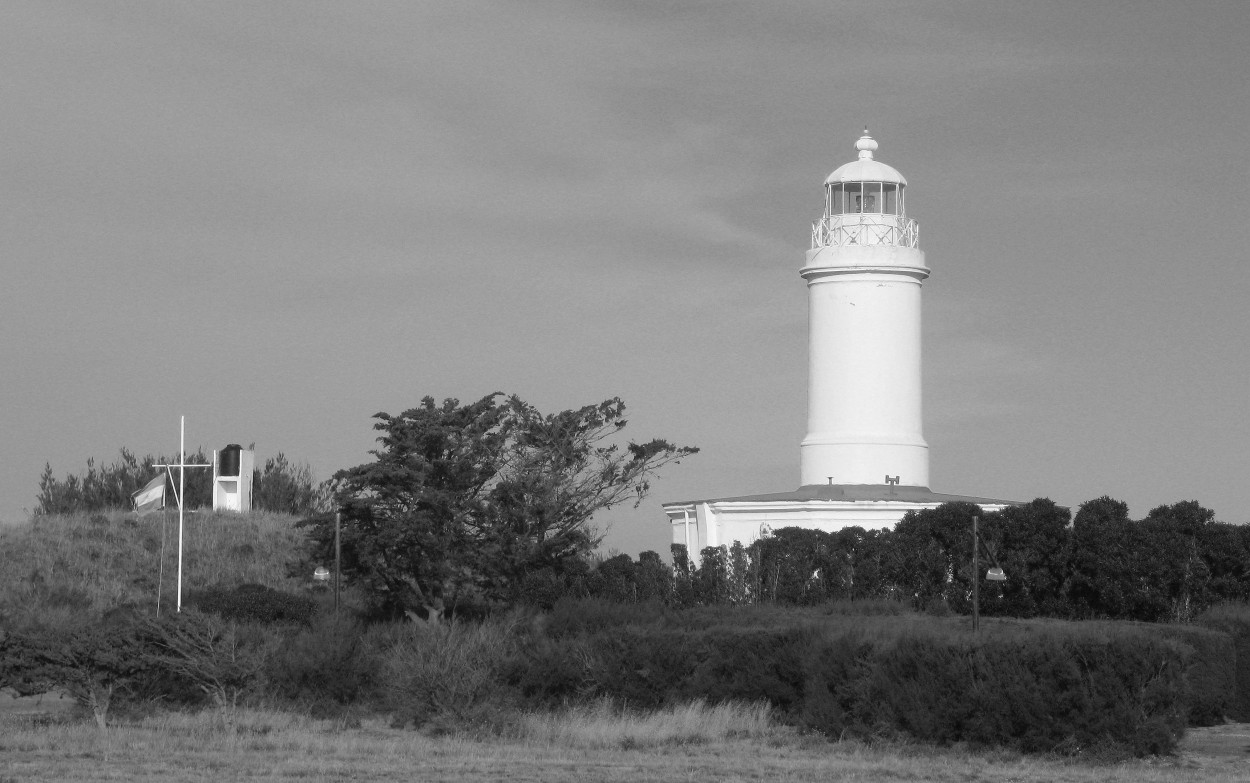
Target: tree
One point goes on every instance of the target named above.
(1152, 570)
(92, 663)
(798, 566)
(929, 557)
(1175, 563)
(222, 658)
(285, 487)
(711, 581)
(1225, 549)
(1031, 544)
(1100, 559)
(464, 501)
(655, 578)
(864, 551)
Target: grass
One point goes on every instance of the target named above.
(601, 743)
(90, 563)
(604, 725)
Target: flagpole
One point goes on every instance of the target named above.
(182, 490)
(181, 493)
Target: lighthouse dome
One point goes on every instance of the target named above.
(865, 168)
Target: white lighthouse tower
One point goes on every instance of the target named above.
(864, 460)
(863, 274)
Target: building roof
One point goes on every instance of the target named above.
(855, 493)
(865, 169)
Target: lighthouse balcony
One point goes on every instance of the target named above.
(861, 228)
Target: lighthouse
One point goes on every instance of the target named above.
(864, 274)
(864, 460)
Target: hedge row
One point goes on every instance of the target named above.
(1234, 620)
(1056, 687)
(1211, 673)
(1028, 685)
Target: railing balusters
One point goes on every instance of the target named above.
(859, 229)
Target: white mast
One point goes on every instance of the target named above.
(182, 484)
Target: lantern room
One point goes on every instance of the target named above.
(865, 204)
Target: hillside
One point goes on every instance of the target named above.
(82, 564)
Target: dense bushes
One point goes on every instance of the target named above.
(1168, 567)
(1059, 690)
(1211, 673)
(833, 659)
(1028, 685)
(325, 667)
(280, 486)
(1234, 620)
(110, 486)
(448, 673)
(1034, 687)
(253, 603)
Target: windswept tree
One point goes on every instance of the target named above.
(464, 501)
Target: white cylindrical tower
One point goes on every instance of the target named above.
(863, 274)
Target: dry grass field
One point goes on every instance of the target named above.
(695, 743)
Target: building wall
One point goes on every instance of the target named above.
(721, 524)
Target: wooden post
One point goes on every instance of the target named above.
(337, 558)
(976, 580)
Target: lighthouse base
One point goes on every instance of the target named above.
(829, 507)
(825, 460)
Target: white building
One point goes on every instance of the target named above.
(864, 460)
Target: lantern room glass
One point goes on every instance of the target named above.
(873, 197)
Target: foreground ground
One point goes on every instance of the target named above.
(264, 746)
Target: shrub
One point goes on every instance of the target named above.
(253, 603)
(1059, 690)
(447, 672)
(652, 668)
(1234, 619)
(325, 666)
(551, 672)
(286, 487)
(223, 659)
(646, 669)
(571, 617)
(1211, 672)
(110, 486)
(1031, 686)
(98, 664)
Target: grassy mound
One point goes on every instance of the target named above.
(85, 565)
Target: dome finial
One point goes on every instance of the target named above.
(866, 144)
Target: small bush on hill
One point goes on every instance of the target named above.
(253, 603)
(280, 486)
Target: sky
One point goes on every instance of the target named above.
(279, 218)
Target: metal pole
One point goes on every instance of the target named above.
(337, 562)
(182, 489)
(976, 580)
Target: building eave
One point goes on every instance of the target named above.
(816, 496)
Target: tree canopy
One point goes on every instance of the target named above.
(463, 502)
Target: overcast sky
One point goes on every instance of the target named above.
(279, 218)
